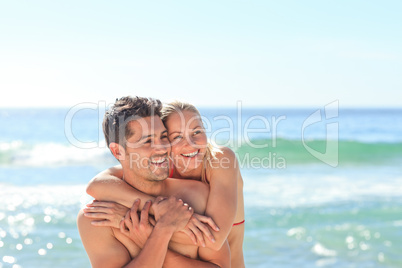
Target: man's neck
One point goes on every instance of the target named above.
(153, 188)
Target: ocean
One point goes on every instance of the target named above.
(322, 187)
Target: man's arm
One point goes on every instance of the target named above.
(104, 250)
(154, 252)
(172, 214)
(144, 235)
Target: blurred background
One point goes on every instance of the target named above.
(259, 71)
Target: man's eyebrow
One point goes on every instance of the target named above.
(150, 135)
(146, 137)
(174, 132)
(197, 127)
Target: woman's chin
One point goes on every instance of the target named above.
(189, 165)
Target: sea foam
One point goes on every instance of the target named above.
(19, 154)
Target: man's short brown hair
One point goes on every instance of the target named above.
(123, 111)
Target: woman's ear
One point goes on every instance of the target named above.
(117, 150)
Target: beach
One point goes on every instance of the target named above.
(303, 208)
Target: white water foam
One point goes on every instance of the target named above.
(14, 198)
(315, 189)
(18, 154)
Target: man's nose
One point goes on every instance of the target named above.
(161, 146)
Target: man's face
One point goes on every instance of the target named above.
(147, 150)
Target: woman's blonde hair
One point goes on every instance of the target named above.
(211, 151)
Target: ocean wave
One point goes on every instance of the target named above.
(20, 154)
(268, 151)
(17, 198)
(315, 189)
(299, 152)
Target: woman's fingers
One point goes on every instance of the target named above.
(191, 235)
(127, 221)
(104, 206)
(104, 223)
(204, 229)
(106, 213)
(95, 215)
(152, 221)
(198, 234)
(209, 221)
(96, 203)
(123, 228)
(104, 210)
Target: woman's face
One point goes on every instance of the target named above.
(188, 140)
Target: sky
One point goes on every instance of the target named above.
(262, 53)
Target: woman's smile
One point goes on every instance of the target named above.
(190, 155)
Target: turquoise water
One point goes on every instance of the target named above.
(299, 210)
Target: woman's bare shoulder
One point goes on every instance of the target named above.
(224, 158)
(225, 152)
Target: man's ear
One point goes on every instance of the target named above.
(117, 150)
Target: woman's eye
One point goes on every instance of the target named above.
(148, 141)
(197, 132)
(178, 137)
(164, 137)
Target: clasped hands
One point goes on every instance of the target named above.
(169, 212)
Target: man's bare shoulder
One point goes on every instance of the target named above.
(83, 222)
(100, 244)
(88, 231)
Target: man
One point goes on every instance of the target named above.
(137, 137)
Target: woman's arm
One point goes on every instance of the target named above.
(222, 200)
(109, 186)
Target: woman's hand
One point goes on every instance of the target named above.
(106, 213)
(137, 228)
(197, 229)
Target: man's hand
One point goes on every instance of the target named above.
(106, 213)
(172, 212)
(137, 229)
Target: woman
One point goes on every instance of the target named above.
(193, 158)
